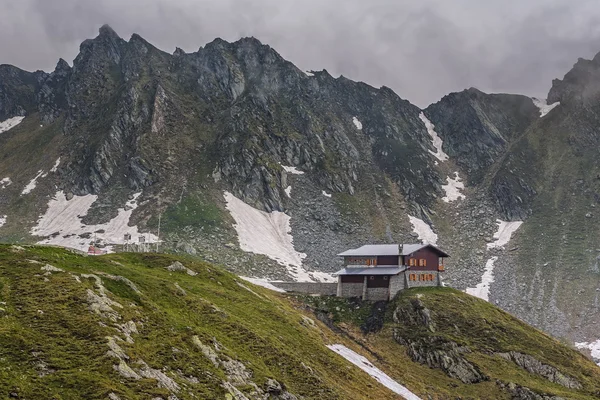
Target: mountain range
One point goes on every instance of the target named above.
(236, 156)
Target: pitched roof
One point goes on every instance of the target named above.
(390, 250)
(374, 250)
(371, 271)
(411, 248)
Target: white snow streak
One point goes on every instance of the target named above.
(543, 105)
(326, 194)
(33, 183)
(56, 164)
(357, 123)
(453, 189)
(2, 220)
(288, 191)
(292, 170)
(5, 182)
(269, 234)
(594, 348)
(263, 283)
(64, 217)
(437, 141)
(482, 290)
(380, 376)
(10, 123)
(308, 73)
(426, 234)
(504, 233)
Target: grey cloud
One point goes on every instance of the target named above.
(422, 49)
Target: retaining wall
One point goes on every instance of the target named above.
(328, 289)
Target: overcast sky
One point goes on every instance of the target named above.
(423, 49)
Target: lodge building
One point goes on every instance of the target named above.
(378, 272)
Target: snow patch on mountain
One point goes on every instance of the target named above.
(56, 164)
(292, 170)
(380, 376)
(437, 141)
(424, 231)
(504, 233)
(62, 226)
(357, 123)
(309, 73)
(5, 182)
(593, 347)
(33, 183)
(10, 123)
(263, 283)
(543, 106)
(288, 191)
(482, 290)
(326, 194)
(2, 220)
(453, 189)
(266, 233)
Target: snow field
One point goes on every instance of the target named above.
(269, 234)
(504, 233)
(64, 217)
(594, 347)
(10, 123)
(357, 123)
(437, 141)
(5, 182)
(292, 170)
(543, 106)
(380, 376)
(482, 290)
(288, 191)
(424, 231)
(326, 194)
(308, 73)
(2, 220)
(33, 183)
(56, 164)
(453, 189)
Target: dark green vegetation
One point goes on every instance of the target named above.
(203, 333)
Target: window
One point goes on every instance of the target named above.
(422, 262)
(412, 277)
(431, 277)
(412, 262)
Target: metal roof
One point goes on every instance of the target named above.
(374, 250)
(411, 248)
(371, 271)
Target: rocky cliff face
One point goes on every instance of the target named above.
(348, 163)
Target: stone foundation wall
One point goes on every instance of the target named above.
(326, 289)
(396, 284)
(352, 290)
(377, 294)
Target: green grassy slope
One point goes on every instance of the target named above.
(52, 345)
(432, 319)
(210, 335)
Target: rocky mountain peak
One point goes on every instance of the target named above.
(581, 85)
(106, 31)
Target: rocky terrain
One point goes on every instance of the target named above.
(146, 325)
(253, 164)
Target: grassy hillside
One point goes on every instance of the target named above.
(431, 338)
(126, 326)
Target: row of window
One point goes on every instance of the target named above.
(421, 262)
(362, 261)
(421, 277)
